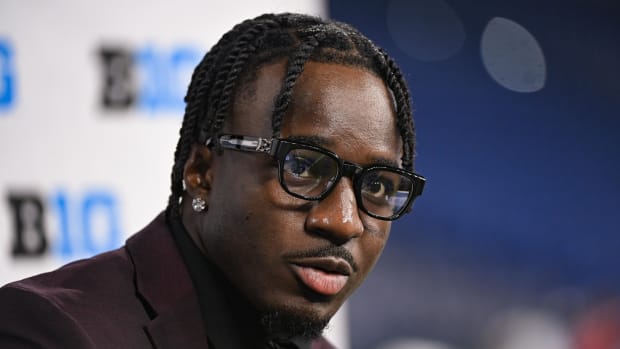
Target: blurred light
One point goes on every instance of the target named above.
(526, 328)
(512, 56)
(414, 343)
(428, 30)
(599, 326)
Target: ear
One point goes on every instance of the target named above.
(198, 172)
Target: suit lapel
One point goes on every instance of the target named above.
(164, 285)
(179, 327)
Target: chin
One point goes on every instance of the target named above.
(286, 322)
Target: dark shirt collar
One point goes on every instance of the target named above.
(228, 322)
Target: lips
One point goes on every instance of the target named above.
(323, 275)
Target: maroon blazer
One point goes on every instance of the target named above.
(138, 296)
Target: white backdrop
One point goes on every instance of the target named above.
(91, 172)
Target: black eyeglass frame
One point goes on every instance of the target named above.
(278, 148)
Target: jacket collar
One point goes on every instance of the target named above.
(167, 292)
(164, 286)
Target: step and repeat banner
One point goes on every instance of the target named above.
(91, 102)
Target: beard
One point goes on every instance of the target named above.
(286, 324)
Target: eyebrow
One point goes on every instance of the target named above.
(323, 142)
(385, 161)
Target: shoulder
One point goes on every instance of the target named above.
(104, 275)
(28, 319)
(95, 302)
(105, 279)
(51, 310)
(83, 304)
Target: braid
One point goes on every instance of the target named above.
(195, 99)
(245, 46)
(188, 127)
(254, 42)
(404, 121)
(294, 70)
(204, 80)
(224, 64)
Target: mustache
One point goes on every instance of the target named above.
(325, 251)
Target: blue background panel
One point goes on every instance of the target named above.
(522, 202)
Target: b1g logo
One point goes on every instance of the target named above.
(7, 75)
(149, 79)
(86, 224)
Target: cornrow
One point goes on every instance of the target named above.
(197, 98)
(195, 94)
(246, 44)
(404, 121)
(294, 70)
(187, 128)
(236, 51)
(237, 56)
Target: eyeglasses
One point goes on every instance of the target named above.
(310, 172)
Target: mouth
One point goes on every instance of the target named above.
(324, 275)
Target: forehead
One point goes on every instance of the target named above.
(347, 107)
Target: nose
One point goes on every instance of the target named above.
(336, 217)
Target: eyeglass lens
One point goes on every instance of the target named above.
(384, 192)
(309, 173)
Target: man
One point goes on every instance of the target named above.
(295, 154)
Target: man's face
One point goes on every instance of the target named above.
(272, 246)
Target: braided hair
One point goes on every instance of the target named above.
(264, 39)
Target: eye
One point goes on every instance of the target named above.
(305, 163)
(378, 188)
(308, 172)
(298, 165)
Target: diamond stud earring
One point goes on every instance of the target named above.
(198, 204)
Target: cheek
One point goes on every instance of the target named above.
(240, 244)
(372, 244)
(245, 216)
